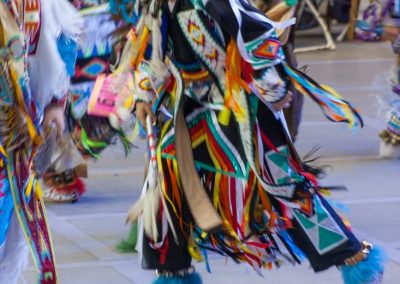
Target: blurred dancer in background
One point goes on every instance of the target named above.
(380, 20)
(38, 40)
(89, 135)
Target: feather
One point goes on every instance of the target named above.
(128, 245)
(148, 205)
(135, 210)
(308, 163)
(114, 121)
(368, 271)
(47, 70)
(151, 205)
(123, 114)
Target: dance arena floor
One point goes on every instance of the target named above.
(85, 233)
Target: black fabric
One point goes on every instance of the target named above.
(269, 124)
(221, 11)
(340, 10)
(175, 255)
(81, 76)
(182, 52)
(335, 257)
(318, 262)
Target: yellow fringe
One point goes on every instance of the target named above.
(143, 41)
(29, 187)
(36, 138)
(234, 83)
(38, 191)
(194, 250)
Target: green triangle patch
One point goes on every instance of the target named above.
(305, 222)
(328, 238)
(280, 159)
(321, 213)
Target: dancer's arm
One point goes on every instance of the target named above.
(258, 45)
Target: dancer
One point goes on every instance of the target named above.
(380, 21)
(37, 47)
(390, 144)
(88, 135)
(278, 11)
(223, 174)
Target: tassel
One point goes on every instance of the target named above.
(368, 271)
(148, 205)
(334, 107)
(136, 209)
(150, 211)
(192, 278)
(129, 245)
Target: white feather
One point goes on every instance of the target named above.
(135, 211)
(124, 114)
(47, 71)
(148, 205)
(150, 211)
(114, 121)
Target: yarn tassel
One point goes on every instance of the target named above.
(334, 107)
(192, 278)
(368, 271)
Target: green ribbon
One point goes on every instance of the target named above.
(88, 144)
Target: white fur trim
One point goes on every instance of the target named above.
(47, 71)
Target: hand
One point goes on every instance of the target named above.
(143, 110)
(284, 103)
(54, 116)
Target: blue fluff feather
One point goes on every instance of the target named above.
(367, 271)
(192, 278)
(68, 50)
